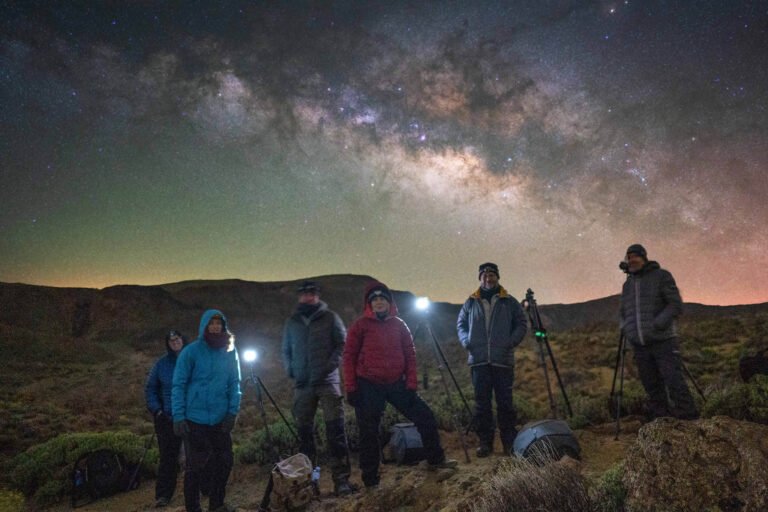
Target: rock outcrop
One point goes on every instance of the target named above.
(717, 464)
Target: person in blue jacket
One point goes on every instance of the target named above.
(206, 400)
(157, 392)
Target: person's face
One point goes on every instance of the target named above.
(489, 280)
(379, 304)
(216, 325)
(309, 298)
(175, 343)
(635, 262)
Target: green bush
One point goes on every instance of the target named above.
(43, 471)
(261, 447)
(11, 501)
(609, 494)
(741, 401)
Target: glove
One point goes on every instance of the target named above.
(228, 423)
(181, 428)
(353, 398)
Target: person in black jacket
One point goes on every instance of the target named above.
(491, 324)
(650, 304)
(313, 341)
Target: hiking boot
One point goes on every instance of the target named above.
(161, 502)
(343, 488)
(484, 450)
(445, 464)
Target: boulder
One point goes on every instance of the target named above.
(718, 464)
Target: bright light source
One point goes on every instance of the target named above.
(422, 303)
(249, 355)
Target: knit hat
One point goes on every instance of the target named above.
(488, 267)
(639, 250)
(379, 291)
(308, 287)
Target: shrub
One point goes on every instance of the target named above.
(523, 486)
(11, 501)
(609, 494)
(258, 449)
(43, 471)
(741, 401)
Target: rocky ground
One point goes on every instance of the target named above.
(402, 488)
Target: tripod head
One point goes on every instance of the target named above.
(530, 306)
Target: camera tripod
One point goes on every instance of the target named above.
(442, 366)
(618, 372)
(542, 339)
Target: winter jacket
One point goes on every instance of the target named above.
(650, 303)
(380, 351)
(506, 329)
(206, 383)
(312, 347)
(157, 389)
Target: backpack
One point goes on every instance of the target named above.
(753, 365)
(405, 445)
(292, 487)
(99, 474)
(546, 438)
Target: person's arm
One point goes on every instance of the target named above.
(233, 386)
(181, 375)
(409, 350)
(462, 324)
(287, 350)
(351, 352)
(338, 335)
(152, 391)
(672, 299)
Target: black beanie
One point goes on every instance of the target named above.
(308, 287)
(379, 291)
(639, 250)
(488, 267)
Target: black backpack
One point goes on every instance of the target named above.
(99, 474)
(405, 445)
(753, 365)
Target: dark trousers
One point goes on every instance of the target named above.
(169, 445)
(371, 402)
(209, 455)
(305, 403)
(487, 381)
(661, 371)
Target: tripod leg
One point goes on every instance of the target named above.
(272, 400)
(622, 359)
(693, 381)
(559, 380)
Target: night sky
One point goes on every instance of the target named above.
(144, 143)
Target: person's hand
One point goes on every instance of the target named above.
(181, 428)
(228, 423)
(353, 398)
(161, 417)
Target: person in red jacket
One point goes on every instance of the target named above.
(379, 365)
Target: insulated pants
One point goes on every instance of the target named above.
(328, 397)
(661, 370)
(371, 402)
(487, 381)
(209, 455)
(169, 445)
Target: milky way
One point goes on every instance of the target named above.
(410, 141)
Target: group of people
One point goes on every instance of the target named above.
(194, 393)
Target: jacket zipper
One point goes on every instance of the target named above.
(637, 312)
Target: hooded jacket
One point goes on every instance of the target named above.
(506, 328)
(157, 388)
(379, 350)
(206, 383)
(650, 303)
(312, 347)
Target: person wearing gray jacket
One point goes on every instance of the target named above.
(491, 324)
(313, 342)
(650, 305)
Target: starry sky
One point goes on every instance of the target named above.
(152, 142)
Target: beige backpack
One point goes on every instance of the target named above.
(292, 484)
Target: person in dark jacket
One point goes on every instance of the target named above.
(379, 366)
(206, 400)
(313, 341)
(157, 392)
(650, 305)
(491, 324)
